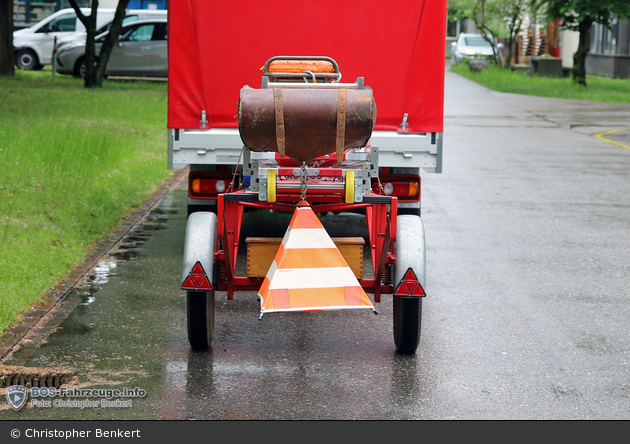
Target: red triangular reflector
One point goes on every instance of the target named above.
(401, 290)
(409, 285)
(417, 290)
(198, 269)
(410, 276)
(204, 284)
(406, 286)
(188, 284)
(197, 279)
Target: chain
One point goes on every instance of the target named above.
(303, 177)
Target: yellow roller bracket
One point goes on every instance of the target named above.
(349, 186)
(271, 185)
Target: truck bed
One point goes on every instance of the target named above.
(222, 146)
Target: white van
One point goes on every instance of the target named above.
(34, 46)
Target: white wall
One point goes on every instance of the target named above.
(568, 46)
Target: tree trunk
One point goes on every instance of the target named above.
(90, 80)
(89, 22)
(510, 53)
(486, 33)
(111, 40)
(513, 30)
(579, 58)
(7, 57)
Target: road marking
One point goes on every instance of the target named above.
(600, 136)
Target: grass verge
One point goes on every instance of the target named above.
(72, 163)
(600, 89)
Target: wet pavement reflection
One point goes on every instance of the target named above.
(125, 327)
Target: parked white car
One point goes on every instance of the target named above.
(471, 46)
(34, 46)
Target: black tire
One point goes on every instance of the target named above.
(410, 255)
(200, 314)
(79, 68)
(412, 211)
(407, 323)
(27, 60)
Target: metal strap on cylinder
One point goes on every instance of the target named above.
(279, 107)
(341, 123)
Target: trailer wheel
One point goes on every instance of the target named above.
(410, 253)
(199, 247)
(200, 312)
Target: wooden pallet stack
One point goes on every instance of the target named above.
(529, 43)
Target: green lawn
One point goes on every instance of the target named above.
(72, 163)
(601, 89)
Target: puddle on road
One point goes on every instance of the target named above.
(109, 328)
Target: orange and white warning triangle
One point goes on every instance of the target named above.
(308, 272)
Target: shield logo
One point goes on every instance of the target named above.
(16, 396)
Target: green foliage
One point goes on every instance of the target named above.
(600, 88)
(579, 15)
(574, 12)
(72, 162)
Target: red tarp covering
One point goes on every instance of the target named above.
(215, 48)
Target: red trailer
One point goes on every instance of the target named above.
(306, 108)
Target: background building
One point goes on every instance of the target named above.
(609, 53)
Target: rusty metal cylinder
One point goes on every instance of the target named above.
(305, 123)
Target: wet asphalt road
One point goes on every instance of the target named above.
(527, 313)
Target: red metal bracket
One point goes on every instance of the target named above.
(380, 218)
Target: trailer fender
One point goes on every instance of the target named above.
(409, 271)
(410, 248)
(200, 242)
